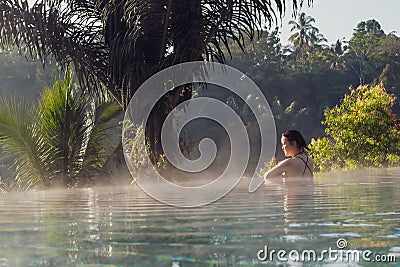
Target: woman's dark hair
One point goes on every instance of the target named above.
(294, 135)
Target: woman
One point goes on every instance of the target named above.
(299, 164)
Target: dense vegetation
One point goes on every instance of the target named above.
(302, 79)
(362, 131)
(115, 46)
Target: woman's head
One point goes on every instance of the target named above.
(293, 142)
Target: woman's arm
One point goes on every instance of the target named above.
(278, 170)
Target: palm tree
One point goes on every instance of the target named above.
(305, 36)
(336, 53)
(61, 140)
(118, 44)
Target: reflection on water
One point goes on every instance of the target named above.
(124, 227)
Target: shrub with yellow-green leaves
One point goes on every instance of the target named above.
(362, 131)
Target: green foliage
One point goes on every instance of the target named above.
(362, 132)
(287, 117)
(298, 88)
(61, 140)
(267, 166)
(138, 155)
(260, 53)
(20, 140)
(325, 156)
(321, 77)
(306, 36)
(364, 52)
(138, 151)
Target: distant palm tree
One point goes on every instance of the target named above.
(336, 53)
(61, 140)
(305, 36)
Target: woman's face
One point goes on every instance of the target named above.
(289, 148)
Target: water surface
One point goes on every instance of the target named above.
(122, 226)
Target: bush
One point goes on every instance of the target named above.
(361, 132)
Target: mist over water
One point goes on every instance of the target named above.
(233, 121)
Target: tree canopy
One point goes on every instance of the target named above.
(300, 88)
(119, 44)
(115, 46)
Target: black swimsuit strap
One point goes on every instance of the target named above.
(306, 166)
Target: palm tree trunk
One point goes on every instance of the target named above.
(158, 116)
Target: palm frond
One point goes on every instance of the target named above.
(238, 20)
(4, 188)
(69, 31)
(75, 127)
(104, 120)
(145, 36)
(62, 140)
(118, 44)
(65, 125)
(21, 141)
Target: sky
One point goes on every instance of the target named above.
(338, 18)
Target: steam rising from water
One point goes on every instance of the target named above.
(202, 107)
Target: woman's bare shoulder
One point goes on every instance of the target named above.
(279, 169)
(286, 162)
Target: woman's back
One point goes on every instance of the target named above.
(299, 166)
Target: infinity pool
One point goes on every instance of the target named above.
(122, 226)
